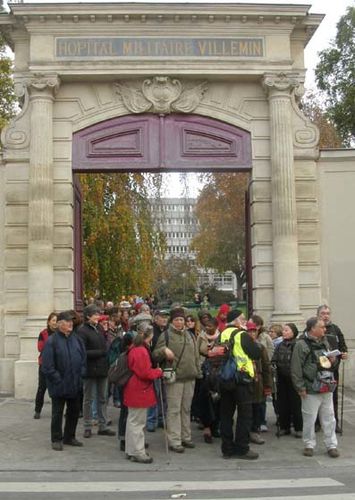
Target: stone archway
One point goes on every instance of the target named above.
(154, 143)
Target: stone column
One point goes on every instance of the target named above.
(283, 198)
(40, 226)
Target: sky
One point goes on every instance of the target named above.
(333, 10)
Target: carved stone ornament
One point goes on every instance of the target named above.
(281, 82)
(41, 82)
(161, 94)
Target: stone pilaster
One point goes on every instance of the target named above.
(40, 225)
(283, 198)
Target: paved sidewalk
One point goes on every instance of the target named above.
(25, 446)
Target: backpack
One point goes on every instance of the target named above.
(119, 373)
(229, 375)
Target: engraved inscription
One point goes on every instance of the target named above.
(113, 47)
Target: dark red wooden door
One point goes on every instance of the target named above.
(153, 143)
(161, 144)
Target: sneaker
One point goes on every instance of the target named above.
(144, 459)
(37, 415)
(249, 455)
(188, 444)
(150, 429)
(308, 452)
(87, 433)
(57, 446)
(177, 448)
(73, 442)
(256, 438)
(298, 434)
(106, 432)
(333, 453)
(264, 428)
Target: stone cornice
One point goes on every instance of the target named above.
(160, 13)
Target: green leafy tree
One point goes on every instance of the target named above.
(7, 95)
(220, 241)
(121, 247)
(335, 76)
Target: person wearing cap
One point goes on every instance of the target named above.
(155, 413)
(64, 364)
(177, 349)
(262, 384)
(245, 351)
(95, 381)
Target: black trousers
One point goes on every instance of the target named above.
(122, 421)
(240, 398)
(71, 418)
(288, 404)
(41, 390)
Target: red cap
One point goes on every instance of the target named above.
(251, 325)
(103, 317)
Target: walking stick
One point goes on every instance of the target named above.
(164, 422)
(276, 406)
(342, 398)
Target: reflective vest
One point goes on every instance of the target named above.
(244, 363)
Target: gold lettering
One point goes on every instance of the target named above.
(243, 48)
(127, 48)
(257, 48)
(234, 48)
(202, 45)
(189, 50)
(82, 48)
(72, 48)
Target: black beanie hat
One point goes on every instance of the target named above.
(179, 312)
(294, 329)
(232, 315)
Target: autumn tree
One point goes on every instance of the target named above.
(176, 278)
(335, 76)
(121, 247)
(220, 241)
(313, 107)
(7, 95)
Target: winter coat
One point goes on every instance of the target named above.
(335, 337)
(188, 368)
(282, 357)
(96, 350)
(265, 340)
(41, 342)
(303, 366)
(139, 391)
(64, 365)
(263, 376)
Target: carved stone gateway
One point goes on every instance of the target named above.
(127, 87)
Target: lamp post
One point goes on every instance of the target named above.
(183, 275)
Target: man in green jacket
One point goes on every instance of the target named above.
(312, 377)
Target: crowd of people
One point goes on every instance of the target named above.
(183, 368)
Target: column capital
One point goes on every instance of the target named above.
(42, 84)
(282, 83)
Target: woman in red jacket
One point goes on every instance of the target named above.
(139, 395)
(42, 385)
